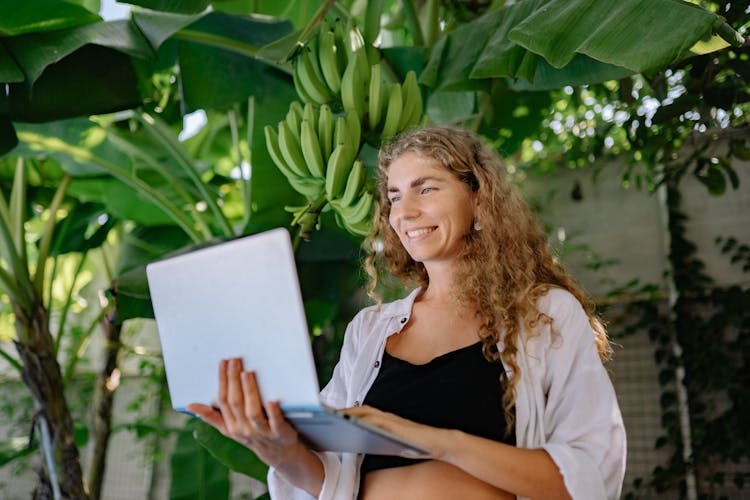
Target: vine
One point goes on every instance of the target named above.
(710, 324)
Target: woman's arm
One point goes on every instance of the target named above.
(523, 472)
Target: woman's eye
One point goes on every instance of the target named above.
(426, 190)
(394, 199)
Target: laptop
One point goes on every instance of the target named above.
(242, 299)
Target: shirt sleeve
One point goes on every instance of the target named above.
(585, 435)
(333, 394)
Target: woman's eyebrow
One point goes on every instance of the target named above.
(416, 183)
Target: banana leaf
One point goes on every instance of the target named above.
(177, 6)
(92, 80)
(9, 70)
(615, 37)
(230, 453)
(83, 228)
(36, 51)
(24, 16)
(196, 475)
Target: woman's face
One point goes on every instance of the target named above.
(431, 209)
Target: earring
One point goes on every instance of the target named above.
(476, 226)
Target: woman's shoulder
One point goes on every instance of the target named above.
(559, 302)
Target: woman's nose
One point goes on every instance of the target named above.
(408, 207)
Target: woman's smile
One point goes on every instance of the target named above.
(431, 210)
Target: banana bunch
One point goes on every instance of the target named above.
(316, 151)
(320, 62)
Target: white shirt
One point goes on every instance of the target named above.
(565, 402)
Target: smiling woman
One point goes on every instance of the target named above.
(493, 362)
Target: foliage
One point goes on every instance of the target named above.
(499, 67)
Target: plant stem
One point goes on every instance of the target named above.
(68, 301)
(412, 20)
(49, 230)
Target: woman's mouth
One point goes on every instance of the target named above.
(416, 233)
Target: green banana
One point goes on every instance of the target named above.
(309, 80)
(353, 130)
(325, 130)
(361, 228)
(298, 83)
(354, 183)
(272, 144)
(310, 187)
(293, 120)
(310, 114)
(296, 108)
(337, 171)
(376, 96)
(291, 150)
(341, 138)
(412, 100)
(329, 61)
(358, 212)
(353, 86)
(311, 149)
(393, 112)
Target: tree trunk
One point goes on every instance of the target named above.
(102, 409)
(42, 375)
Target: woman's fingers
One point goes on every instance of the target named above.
(210, 415)
(253, 405)
(235, 397)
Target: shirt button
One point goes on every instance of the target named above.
(356, 403)
(403, 320)
(377, 363)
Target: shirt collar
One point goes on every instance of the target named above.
(401, 307)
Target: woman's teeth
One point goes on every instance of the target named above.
(419, 232)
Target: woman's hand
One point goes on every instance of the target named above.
(244, 417)
(429, 438)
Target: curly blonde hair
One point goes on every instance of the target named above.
(505, 267)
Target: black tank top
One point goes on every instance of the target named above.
(458, 390)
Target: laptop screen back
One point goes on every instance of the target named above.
(235, 299)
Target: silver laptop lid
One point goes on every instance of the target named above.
(235, 299)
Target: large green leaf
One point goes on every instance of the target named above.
(215, 79)
(158, 26)
(636, 34)
(35, 52)
(179, 6)
(84, 227)
(196, 475)
(9, 70)
(608, 38)
(25, 16)
(243, 35)
(580, 71)
(229, 452)
(92, 80)
(451, 107)
(123, 201)
(80, 132)
(8, 139)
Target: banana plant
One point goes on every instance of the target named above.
(23, 281)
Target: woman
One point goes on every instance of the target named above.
(492, 363)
